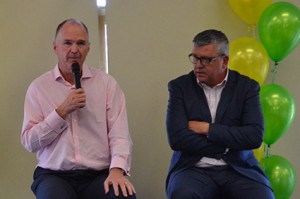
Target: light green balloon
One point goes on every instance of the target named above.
(279, 29)
(278, 109)
(281, 175)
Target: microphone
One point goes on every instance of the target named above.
(76, 73)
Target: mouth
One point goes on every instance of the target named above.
(199, 72)
(74, 59)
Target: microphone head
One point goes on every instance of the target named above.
(75, 67)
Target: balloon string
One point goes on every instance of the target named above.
(274, 71)
(252, 29)
(268, 151)
(267, 155)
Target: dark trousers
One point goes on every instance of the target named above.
(215, 183)
(75, 184)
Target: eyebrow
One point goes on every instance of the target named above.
(80, 40)
(203, 56)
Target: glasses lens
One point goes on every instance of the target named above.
(193, 59)
(205, 60)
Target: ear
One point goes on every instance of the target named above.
(225, 61)
(88, 50)
(54, 47)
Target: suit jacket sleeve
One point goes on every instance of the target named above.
(180, 137)
(239, 125)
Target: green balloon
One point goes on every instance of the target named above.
(278, 109)
(281, 175)
(279, 29)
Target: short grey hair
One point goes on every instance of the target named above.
(72, 20)
(212, 36)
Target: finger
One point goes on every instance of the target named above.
(116, 189)
(133, 189)
(81, 99)
(124, 189)
(80, 103)
(130, 188)
(78, 90)
(106, 187)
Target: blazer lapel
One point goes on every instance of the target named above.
(226, 96)
(201, 101)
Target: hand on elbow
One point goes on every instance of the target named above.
(199, 127)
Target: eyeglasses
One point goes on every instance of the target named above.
(203, 60)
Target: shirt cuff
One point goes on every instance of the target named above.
(119, 162)
(55, 122)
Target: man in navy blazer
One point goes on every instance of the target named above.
(214, 121)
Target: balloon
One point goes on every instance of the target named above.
(249, 57)
(281, 175)
(249, 10)
(279, 29)
(260, 153)
(278, 108)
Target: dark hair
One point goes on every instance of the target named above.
(212, 36)
(72, 20)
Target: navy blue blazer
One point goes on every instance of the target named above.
(238, 126)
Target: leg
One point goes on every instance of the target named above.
(193, 183)
(95, 190)
(238, 186)
(50, 186)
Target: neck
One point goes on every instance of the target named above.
(69, 77)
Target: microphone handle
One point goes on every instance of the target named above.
(77, 80)
(76, 74)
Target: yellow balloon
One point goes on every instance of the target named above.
(249, 10)
(260, 153)
(249, 57)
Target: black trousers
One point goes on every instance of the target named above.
(74, 184)
(219, 182)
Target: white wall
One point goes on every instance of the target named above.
(149, 41)
(148, 45)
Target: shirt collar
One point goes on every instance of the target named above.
(86, 72)
(223, 83)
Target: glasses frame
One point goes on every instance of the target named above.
(207, 60)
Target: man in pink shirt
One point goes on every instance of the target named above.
(80, 135)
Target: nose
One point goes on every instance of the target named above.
(198, 64)
(74, 48)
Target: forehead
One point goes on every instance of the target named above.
(210, 49)
(72, 31)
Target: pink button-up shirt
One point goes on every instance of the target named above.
(93, 137)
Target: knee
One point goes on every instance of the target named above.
(52, 187)
(180, 194)
(111, 195)
(121, 197)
